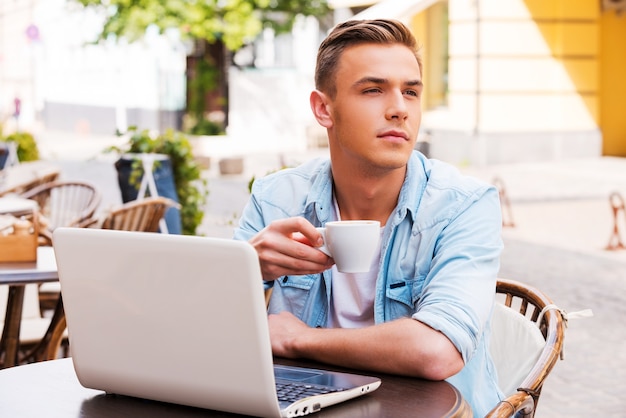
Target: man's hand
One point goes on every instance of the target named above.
(284, 329)
(288, 246)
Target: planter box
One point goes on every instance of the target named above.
(162, 178)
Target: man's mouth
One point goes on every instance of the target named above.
(394, 133)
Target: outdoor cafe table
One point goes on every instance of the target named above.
(15, 205)
(50, 388)
(17, 275)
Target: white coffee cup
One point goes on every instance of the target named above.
(352, 244)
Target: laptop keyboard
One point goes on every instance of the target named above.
(293, 391)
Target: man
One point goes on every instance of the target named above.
(424, 308)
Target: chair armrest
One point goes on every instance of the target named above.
(520, 404)
(45, 238)
(88, 223)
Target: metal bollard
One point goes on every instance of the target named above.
(617, 204)
(505, 203)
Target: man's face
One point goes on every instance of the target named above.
(376, 112)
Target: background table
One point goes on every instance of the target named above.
(50, 388)
(17, 275)
(15, 205)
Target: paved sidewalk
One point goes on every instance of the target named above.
(562, 204)
(563, 221)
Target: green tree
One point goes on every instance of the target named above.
(234, 22)
(216, 26)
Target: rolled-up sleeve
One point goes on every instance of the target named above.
(459, 289)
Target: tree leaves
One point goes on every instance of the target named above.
(235, 22)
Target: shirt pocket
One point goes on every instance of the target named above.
(294, 293)
(403, 296)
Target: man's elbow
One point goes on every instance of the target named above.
(431, 355)
(442, 367)
(440, 361)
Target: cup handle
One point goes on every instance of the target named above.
(323, 248)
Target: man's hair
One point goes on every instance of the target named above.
(357, 32)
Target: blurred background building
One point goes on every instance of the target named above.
(505, 80)
(49, 61)
(519, 80)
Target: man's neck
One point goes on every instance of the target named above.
(367, 197)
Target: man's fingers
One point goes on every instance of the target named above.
(285, 247)
(299, 229)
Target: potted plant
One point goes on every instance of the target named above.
(186, 187)
(26, 145)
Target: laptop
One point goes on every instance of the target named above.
(181, 319)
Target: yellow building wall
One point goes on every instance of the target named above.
(613, 84)
(525, 65)
(431, 30)
(419, 27)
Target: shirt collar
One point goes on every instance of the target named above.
(413, 187)
(321, 196)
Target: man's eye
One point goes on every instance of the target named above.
(412, 93)
(372, 90)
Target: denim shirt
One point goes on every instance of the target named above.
(439, 258)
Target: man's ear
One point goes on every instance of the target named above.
(320, 105)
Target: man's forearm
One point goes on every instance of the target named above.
(404, 346)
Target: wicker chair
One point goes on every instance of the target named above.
(33, 181)
(64, 203)
(142, 215)
(537, 310)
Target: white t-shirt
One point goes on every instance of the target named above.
(352, 294)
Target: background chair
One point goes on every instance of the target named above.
(64, 203)
(27, 176)
(142, 215)
(526, 341)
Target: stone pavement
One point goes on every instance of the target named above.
(563, 221)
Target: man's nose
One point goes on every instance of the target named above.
(397, 108)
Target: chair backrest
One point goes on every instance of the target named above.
(65, 203)
(139, 215)
(526, 341)
(20, 178)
